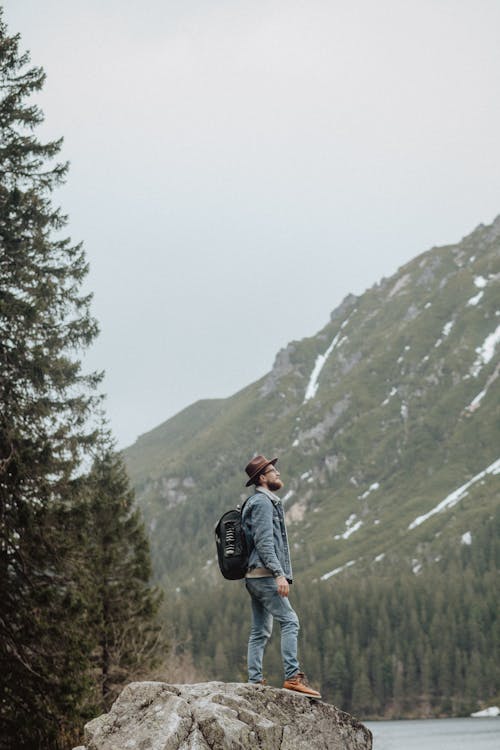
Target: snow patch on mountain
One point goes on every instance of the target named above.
(352, 525)
(485, 352)
(466, 538)
(454, 497)
(474, 404)
(416, 566)
(371, 488)
(476, 401)
(447, 328)
(336, 571)
(393, 392)
(480, 282)
(473, 301)
(313, 384)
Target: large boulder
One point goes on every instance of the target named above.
(222, 716)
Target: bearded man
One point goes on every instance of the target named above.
(269, 576)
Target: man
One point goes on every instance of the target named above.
(269, 576)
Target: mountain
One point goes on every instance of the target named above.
(386, 424)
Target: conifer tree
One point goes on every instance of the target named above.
(126, 635)
(45, 404)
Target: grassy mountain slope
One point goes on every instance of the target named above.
(402, 411)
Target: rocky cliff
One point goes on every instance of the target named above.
(221, 716)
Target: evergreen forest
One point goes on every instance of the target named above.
(399, 646)
(78, 616)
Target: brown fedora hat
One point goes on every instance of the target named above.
(256, 467)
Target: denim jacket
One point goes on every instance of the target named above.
(264, 525)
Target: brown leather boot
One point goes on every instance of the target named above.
(298, 683)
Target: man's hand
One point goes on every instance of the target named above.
(283, 586)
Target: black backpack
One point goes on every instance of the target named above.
(231, 543)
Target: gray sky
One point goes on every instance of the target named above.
(238, 167)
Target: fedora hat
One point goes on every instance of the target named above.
(257, 466)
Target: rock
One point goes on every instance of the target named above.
(345, 307)
(282, 366)
(222, 716)
(319, 432)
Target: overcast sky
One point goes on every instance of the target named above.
(238, 167)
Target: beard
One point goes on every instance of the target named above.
(275, 484)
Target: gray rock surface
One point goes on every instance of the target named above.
(282, 366)
(222, 716)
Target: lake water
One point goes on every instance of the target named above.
(436, 734)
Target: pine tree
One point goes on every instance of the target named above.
(127, 636)
(362, 696)
(45, 404)
(337, 677)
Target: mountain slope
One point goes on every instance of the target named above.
(386, 424)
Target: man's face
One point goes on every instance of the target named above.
(273, 478)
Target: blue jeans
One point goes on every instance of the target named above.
(267, 605)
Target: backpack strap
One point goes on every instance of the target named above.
(243, 506)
